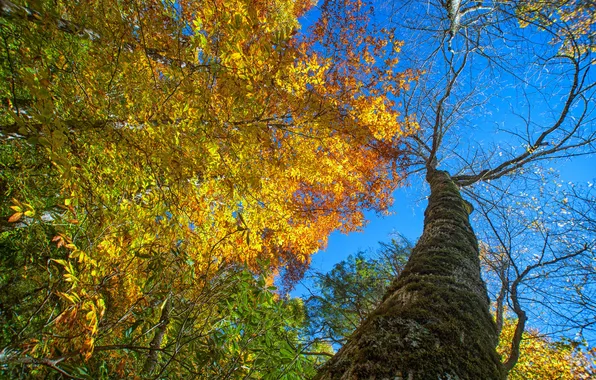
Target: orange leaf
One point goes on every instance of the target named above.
(59, 241)
(15, 217)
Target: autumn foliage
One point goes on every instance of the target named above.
(542, 358)
(176, 136)
(571, 21)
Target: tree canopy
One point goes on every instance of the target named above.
(147, 142)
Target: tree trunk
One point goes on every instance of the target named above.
(434, 321)
(160, 332)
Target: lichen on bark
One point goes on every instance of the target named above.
(434, 321)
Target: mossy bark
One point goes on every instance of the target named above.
(434, 321)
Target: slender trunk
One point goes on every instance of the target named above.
(434, 321)
(500, 312)
(160, 332)
(519, 328)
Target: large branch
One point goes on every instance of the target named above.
(7, 358)
(455, 15)
(27, 129)
(536, 149)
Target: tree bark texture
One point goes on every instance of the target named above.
(434, 321)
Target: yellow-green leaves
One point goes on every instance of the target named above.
(572, 22)
(542, 358)
(181, 136)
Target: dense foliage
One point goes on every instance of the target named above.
(543, 358)
(149, 146)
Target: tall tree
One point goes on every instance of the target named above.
(336, 298)
(434, 321)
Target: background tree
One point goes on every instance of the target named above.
(341, 299)
(234, 328)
